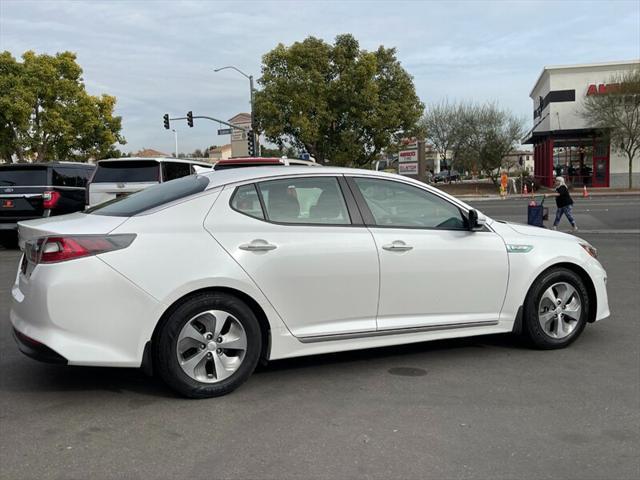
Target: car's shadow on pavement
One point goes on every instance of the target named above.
(37, 377)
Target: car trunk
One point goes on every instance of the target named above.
(21, 189)
(73, 224)
(117, 178)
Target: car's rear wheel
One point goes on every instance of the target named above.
(208, 346)
(556, 309)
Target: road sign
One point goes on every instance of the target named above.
(408, 156)
(406, 168)
(225, 131)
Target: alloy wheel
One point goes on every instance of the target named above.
(211, 346)
(559, 310)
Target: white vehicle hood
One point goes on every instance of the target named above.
(529, 230)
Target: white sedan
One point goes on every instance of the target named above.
(200, 278)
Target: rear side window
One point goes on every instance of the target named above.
(152, 197)
(173, 170)
(21, 176)
(127, 171)
(316, 200)
(67, 177)
(245, 200)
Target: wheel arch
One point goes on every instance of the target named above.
(263, 321)
(584, 276)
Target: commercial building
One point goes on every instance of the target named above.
(563, 142)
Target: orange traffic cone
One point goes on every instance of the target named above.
(585, 194)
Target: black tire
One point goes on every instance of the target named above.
(532, 328)
(165, 359)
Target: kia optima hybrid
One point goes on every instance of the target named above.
(200, 278)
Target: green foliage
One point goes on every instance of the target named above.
(46, 113)
(471, 136)
(337, 102)
(617, 113)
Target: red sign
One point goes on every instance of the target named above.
(602, 88)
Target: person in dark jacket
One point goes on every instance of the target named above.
(564, 204)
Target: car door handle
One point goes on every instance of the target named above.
(397, 246)
(258, 245)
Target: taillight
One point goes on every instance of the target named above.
(63, 248)
(50, 198)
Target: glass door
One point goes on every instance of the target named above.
(600, 163)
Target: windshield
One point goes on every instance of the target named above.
(21, 176)
(127, 171)
(151, 197)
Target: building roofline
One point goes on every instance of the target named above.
(580, 65)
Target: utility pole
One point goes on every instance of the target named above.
(251, 92)
(175, 137)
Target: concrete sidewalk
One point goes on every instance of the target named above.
(517, 196)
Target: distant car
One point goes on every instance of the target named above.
(119, 177)
(262, 162)
(201, 278)
(35, 190)
(445, 176)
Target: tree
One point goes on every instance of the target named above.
(46, 113)
(493, 133)
(617, 113)
(447, 126)
(336, 102)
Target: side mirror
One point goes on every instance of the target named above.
(476, 220)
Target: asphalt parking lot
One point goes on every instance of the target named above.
(478, 408)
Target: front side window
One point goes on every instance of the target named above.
(152, 197)
(396, 204)
(317, 200)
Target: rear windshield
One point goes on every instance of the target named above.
(21, 176)
(127, 171)
(152, 197)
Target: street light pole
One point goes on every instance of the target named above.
(251, 91)
(175, 137)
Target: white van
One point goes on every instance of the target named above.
(116, 177)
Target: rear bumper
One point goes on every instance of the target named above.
(83, 311)
(36, 350)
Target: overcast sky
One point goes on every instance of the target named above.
(158, 57)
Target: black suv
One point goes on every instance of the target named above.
(35, 190)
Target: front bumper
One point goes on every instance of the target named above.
(83, 311)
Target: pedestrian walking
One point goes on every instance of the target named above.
(564, 204)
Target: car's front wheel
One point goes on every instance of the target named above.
(208, 346)
(556, 309)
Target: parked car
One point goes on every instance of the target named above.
(120, 177)
(199, 278)
(34, 190)
(262, 162)
(446, 176)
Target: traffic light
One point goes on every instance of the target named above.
(190, 118)
(166, 121)
(251, 143)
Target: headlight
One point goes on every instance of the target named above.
(590, 250)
